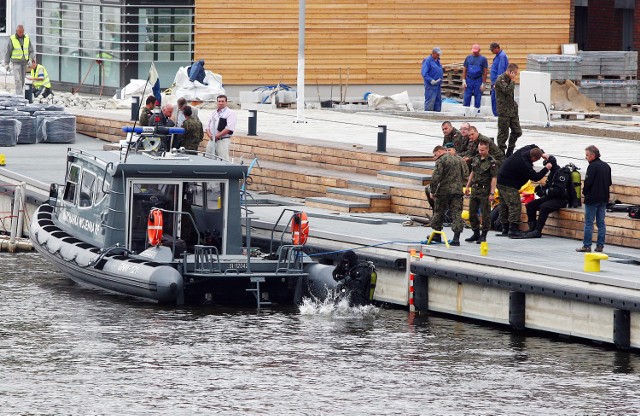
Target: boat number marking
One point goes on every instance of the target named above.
(128, 268)
(238, 266)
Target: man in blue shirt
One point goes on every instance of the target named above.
(498, 67)
(432, 74)
(474, 75)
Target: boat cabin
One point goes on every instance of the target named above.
(106, 201)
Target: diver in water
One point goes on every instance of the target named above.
(357, 280)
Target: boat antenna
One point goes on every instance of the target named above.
(138, 112)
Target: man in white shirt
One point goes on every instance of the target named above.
(220, 128)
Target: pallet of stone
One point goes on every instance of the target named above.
(610, 91)
(561, 67)
(609, 63)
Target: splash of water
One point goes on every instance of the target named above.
(336, 306)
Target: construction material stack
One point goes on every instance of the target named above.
(561, 67)
(610, 77)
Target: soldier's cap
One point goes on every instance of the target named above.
(449, 145)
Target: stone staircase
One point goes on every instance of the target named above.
(342, 179)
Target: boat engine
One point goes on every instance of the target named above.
(356, 279)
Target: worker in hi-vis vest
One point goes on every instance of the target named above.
(40, 78)
(20, 52)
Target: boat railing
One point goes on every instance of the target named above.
(207, 259)
(90, 155)
(290, 259)
(284, 230)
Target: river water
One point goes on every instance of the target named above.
(69, 350)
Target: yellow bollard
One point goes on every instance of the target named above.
(592, 261)
(484, 248)
(3, 160)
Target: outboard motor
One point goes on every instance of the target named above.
(356, 279)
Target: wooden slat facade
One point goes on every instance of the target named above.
(378, 41)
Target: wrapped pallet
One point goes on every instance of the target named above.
(54, 127)
(9, 131)
(28, 128)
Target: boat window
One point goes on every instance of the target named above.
(72, 183)
(209, 195)
(194, 193)
(87, 189)
(101, 190)
(215, 195)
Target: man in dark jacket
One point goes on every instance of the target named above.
(515, 172)
(596, 195)
(553, 196)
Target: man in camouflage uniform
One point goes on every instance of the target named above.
(481, 186)
(507, 110)
(193, 131)
(463, 145)
(451, 149)
(446, 191)
(147, 111)
(475, 139)
(450, 133)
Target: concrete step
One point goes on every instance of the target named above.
(339, 205)
(372, 185)
(378, 202)
(422, 167)
(404, 177)
(356, 194)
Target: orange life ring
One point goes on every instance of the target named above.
(299, 228)
(154, 227)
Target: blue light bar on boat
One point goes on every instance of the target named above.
(153, 129)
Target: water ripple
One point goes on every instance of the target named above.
(70, 350)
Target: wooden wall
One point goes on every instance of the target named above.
(377, 41)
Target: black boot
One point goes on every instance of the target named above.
(505, 230)
(509, 151)
(474, 237)
(456, 240)
(532, 225)
(514, 230)
(437, 238)
(483, 237)
(532, 234)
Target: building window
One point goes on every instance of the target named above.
(5, 13)
(100, 44)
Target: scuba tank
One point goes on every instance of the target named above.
(576, 180)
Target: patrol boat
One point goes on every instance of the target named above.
(167, 226)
